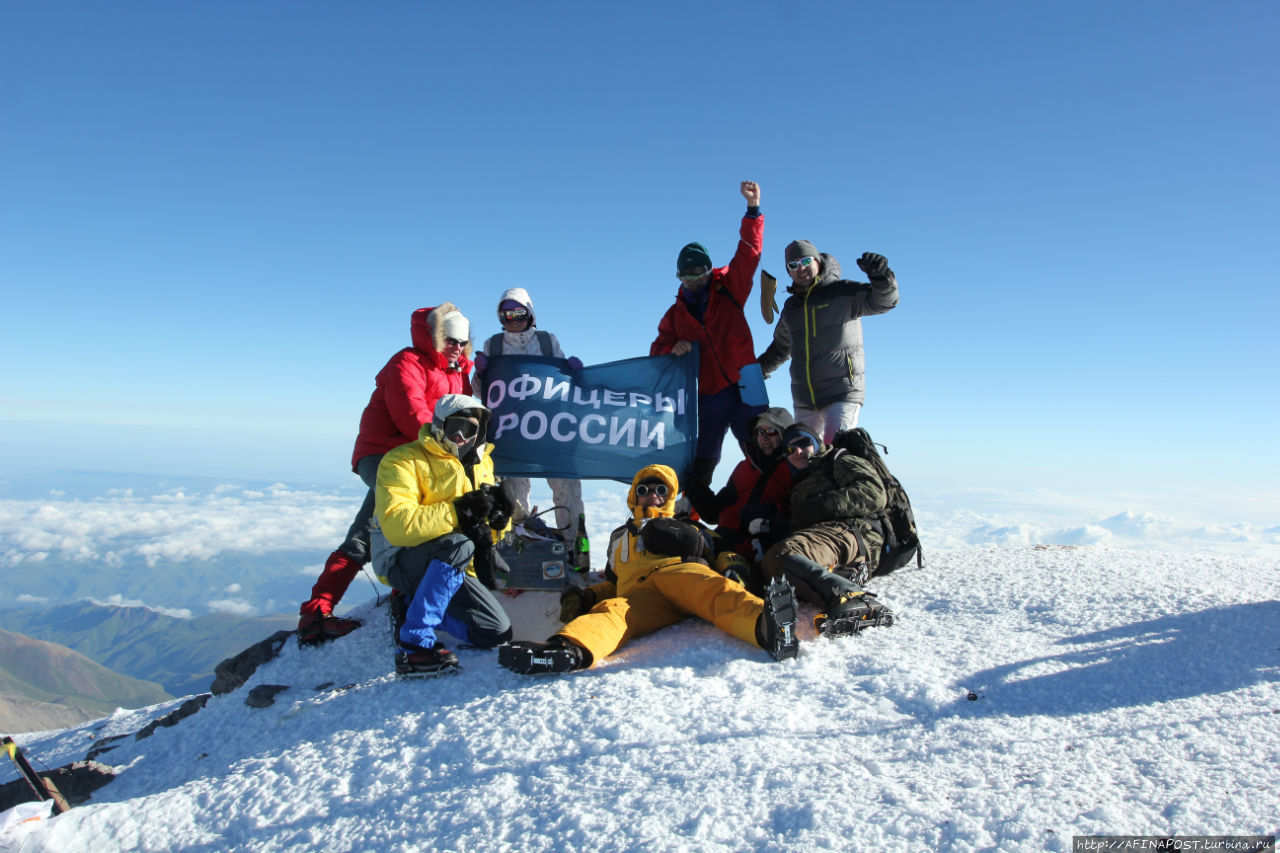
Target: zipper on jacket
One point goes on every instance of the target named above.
(808, 375)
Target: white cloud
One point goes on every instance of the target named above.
(233, 606)
(121, 601)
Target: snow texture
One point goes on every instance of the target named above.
(1025, 695)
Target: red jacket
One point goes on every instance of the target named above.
(407, 389)
(722, 335)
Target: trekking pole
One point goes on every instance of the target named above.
(43, 787)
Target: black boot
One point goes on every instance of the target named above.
(415, 662)
(776, 629)
(852, 614)
(558, 655)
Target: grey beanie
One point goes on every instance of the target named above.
(802, 249)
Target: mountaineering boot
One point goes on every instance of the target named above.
(852, 614)
(527, 657)
(412, 661)
(317, 628)
(776, 629)
(858, 572)
(397, 607)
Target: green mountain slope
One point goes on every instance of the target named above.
(44, 685)
(179, 654)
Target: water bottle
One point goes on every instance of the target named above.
(581, 547)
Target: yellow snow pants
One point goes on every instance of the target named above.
(667, 596)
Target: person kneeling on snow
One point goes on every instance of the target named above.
(835, 545)
(657, 576)
(438, 517)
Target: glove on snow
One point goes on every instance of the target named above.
(575, 601)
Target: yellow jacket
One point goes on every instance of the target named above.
(627, 558)
(417, 485)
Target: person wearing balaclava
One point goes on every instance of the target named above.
(521, 336)
(820, 330)
(404, 398)
(708, 312)
(438, 516)
(835, 543)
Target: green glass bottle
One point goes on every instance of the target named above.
(581, 547)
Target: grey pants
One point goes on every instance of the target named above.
(356, 545)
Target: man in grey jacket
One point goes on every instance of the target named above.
(820, 330)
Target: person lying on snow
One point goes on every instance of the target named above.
(438, 517)
(834, 546)
(657, 575)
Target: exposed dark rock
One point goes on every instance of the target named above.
(264, 695)
(76, 781)
(105, 744)
(235, 671)
(186, 709)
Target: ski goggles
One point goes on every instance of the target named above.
(659, 489)
(800, 262)
(460, 430)
(514, 314)
(693, 274)
(771, 432)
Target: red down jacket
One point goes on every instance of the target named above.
(408, 387)
(723, 335)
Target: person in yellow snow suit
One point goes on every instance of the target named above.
(657, 575)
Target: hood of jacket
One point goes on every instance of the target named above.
(829, 272)
(452, 404)
(519, 294)
(666, 475)
(429, 339)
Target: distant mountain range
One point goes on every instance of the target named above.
(178, 654)
(48, 686)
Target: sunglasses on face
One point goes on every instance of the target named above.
(803, 444)
(514, 314)
(454, 342)
(771, 432)
(800, 262)
(659, 489)
(692, 275)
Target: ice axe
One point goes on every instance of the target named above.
(768, 305)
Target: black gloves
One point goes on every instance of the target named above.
(500, 514)
(875, 266)
(488, 563)
(575, 601)
(474, 507)
(750, 512)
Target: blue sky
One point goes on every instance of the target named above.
(216, 218)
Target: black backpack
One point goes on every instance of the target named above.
(897, 523)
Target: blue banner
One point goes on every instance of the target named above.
(606, 421)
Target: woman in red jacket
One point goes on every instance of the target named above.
(404, 398)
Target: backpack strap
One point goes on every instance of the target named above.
(544, 341)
